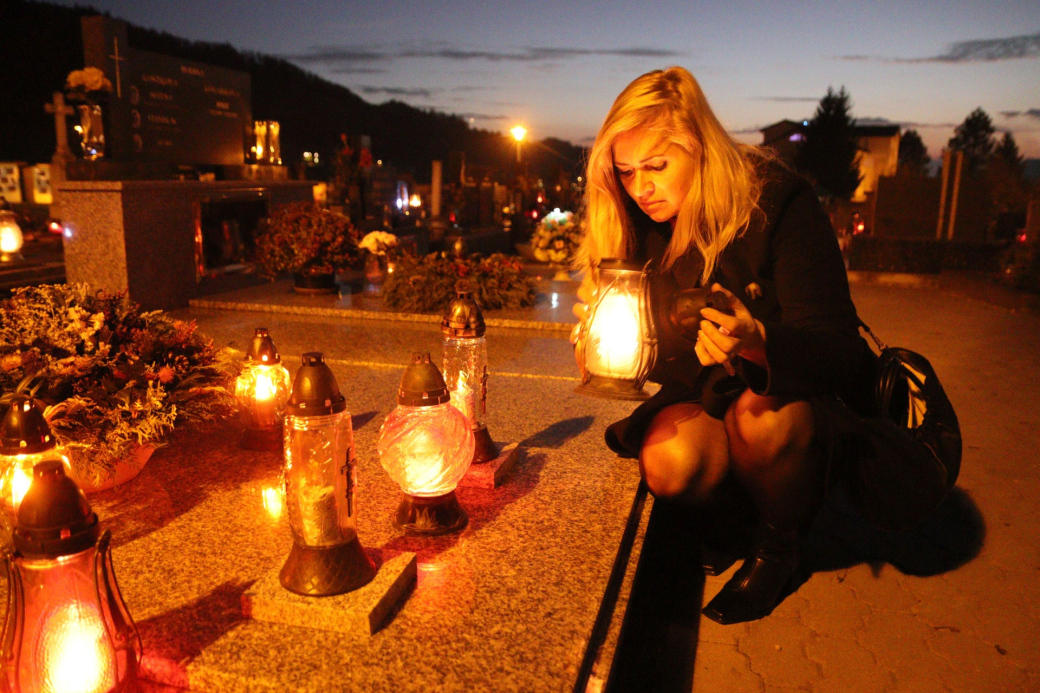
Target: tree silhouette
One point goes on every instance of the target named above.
(974, 137)
(913, 156)
(1006, 177)
(828, 154)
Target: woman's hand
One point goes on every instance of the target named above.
(721, 336)
(586, 294)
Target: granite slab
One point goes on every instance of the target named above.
(508, 604)
(492, 473)
(359, 612)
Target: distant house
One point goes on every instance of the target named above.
(878, 145)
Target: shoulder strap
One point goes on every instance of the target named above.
(880, 345)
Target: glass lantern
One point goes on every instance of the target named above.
(426, 446)
(320, 478)
(617, 344)
(466, 367)
(67, 627)
(25, 441)
(262, 390)
(11, 239)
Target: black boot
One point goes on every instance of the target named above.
(759, 585)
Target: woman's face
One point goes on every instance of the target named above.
(656, 173)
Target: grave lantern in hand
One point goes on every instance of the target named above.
(466, 366)
(616, 343)
(426, 445)
(67, 627)
(25, 441)
(326, 556)
(262, 390)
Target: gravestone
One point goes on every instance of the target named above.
(166, 109)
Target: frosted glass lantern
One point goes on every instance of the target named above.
(262, 390)
(67, 627)
(11, 239)
(320, 480)
(466, 367)
(426, 446)
(617, 344)
(25, 441)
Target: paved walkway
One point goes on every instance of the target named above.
(953, 605)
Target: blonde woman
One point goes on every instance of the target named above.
(738, 407)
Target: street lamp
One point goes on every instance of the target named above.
(519, 132)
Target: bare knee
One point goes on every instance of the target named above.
(764, 432)
(684, 453)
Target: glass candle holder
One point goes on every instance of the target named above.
(617, 343)
(11, 239)
(426, 446)
(320, 480)
(466, 366)
(67, 626)
(262, 390)
(25, 441)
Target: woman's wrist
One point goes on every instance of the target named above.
(754, 347)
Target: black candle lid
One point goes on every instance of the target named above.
(315, 391)
(54, 518)
(23, 430)
(422, 384)
(463, 317)
(262, 350)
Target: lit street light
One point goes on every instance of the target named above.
(518, 134)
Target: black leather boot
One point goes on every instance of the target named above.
(758, 585)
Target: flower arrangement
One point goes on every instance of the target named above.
(306, 239)
(378, 242)
(556, 238)
(114, 378)
(424, 284)
(88, 84)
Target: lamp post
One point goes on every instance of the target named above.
(262, 390)
(426, 446)
(67, 626)
(320, 478)
(11, 239)
(617, 343)
(466, 366)
(25, 441)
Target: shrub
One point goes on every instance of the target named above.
(303, 238)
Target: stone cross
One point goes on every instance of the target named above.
(60, 110)
(118, 59)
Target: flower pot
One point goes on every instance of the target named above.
(312, 284)
(125, 470)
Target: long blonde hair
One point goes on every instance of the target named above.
(724, 191)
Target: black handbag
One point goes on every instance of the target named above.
(909, 456)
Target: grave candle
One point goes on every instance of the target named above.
(326, 557)
(262, 390)
(25, 441)
(466, 366)
(11, 239)
(67, 627)
(426, 446)
(616, 342)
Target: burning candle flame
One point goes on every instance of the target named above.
(20, 483)
(264, 388)
(274, 503)
(614, 335)
(74, 652)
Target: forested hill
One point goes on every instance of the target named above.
(41, 43)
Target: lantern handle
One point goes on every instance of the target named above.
(121, 618)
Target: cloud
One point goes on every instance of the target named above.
(353, 70)
(397, 91)
(788, 99)
(482, 116)
(875, 120)
(1029, 113)
(346, 57)
(978, 51)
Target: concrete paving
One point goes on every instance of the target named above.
(952, 605)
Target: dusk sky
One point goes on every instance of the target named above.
(557, 66)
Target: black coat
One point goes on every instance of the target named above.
(788, 270)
